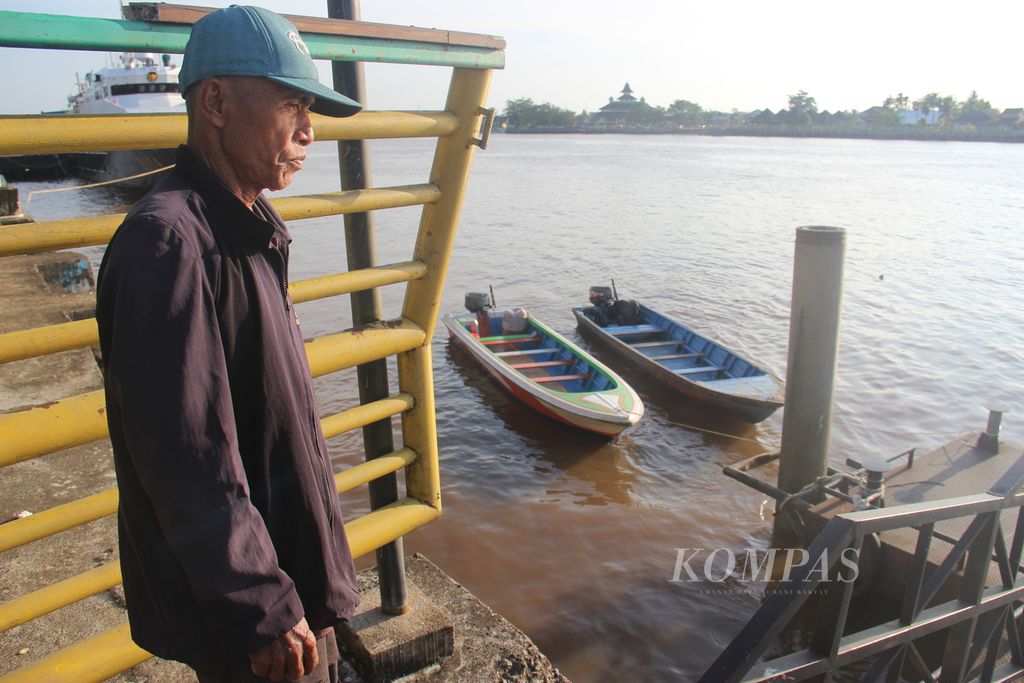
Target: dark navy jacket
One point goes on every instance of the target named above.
(230, 528)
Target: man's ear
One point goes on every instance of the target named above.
(211, 100)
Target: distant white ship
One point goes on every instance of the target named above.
(142, 84)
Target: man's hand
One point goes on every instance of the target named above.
(292, 655)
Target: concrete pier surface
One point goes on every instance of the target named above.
(487, 646)
(956, 468)
(46, 289)
(50, 288)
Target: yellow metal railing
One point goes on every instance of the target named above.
(41, 341)
(93, 230)
(69, 515)
(38, 431)
(80, 419)
(64, 593)
(52, 135)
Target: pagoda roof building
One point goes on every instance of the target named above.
(617, 108)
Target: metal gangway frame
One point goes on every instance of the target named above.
(982, 623)
(460, 127)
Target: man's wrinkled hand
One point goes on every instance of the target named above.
(292, 655)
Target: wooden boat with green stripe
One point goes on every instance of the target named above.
(548, 372)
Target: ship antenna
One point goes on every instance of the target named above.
(615, 293)
(493, 304)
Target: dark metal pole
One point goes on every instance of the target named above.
(360, 247)
(988, 441)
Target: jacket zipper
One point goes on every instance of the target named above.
(324, 468)
(326, 479)
(275, 246)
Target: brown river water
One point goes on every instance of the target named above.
(574, 539)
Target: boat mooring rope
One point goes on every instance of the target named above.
(28, 200)
(711, 431)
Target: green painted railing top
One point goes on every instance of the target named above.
(60, 32)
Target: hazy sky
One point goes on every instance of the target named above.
(743, 54)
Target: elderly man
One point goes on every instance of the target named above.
(233, 550)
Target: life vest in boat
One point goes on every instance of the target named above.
(483, 323)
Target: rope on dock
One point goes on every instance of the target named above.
(818, 483)
(28, 199)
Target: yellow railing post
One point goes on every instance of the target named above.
(419, 428)
(440, 220)
(434, 242)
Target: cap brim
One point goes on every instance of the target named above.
(328, 102)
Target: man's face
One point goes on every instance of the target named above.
(266, 132)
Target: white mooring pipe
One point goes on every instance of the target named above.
(813, 354)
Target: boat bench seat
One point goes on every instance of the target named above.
(621, 330)
(523, 352)
(663, 342)
(677, 356)
(559, 378)
(698, 369)
(757, 386)
(510, 339)
(541, 364)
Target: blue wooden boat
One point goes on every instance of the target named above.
(685, 361)
(544, 370)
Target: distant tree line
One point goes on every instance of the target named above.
(936, 109)
(803, 108)
(525, 113)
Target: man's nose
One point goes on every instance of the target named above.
(304, 133)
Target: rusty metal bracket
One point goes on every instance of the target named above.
(485, 128)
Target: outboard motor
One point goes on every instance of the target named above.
(600, 295)
(601, 300)
(479, 303)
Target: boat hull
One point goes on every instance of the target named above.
(605, 414)
(33, 167)
(92, 166)
(107, 166)
(751, 399)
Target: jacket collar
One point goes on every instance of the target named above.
(256, 227)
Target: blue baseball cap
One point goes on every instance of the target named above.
(252, 41)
